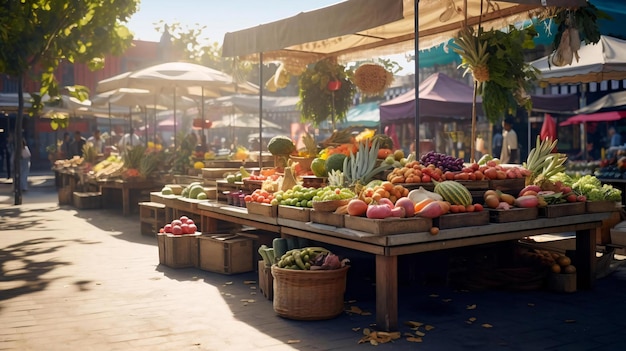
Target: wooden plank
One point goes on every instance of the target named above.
(464, 220)
(388, 225)
(515, 214)
(454, 242)
(351, 244)
(562, 210)
(387, 292)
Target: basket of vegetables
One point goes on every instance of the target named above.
(309, 284)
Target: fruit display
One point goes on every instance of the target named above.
(260, 196)
(194, 190)
(300, 196)
(555, 262)
(183, 225)
(442, 161)
(386, 190)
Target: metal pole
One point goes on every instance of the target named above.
(416, 78)
(260, 110)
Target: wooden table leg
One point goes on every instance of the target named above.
(585, 258)
(208, 224)
(125, 201)
(387, 292)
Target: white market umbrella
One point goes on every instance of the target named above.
(179, 78)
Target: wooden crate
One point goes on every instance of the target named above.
(301, 214)
(226, 253)
(151, 217)
(601, 206)
(87, 201)
(475, 184)
(266, 210)
(564, 209)
(178, 251)
(328, 218)
(560, 282)
(388, 225)
(66, 195)
(266, 281)
(509, 186)
(618, 236)
(512, 215)
(466, 219)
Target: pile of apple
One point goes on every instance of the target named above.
(183, 225)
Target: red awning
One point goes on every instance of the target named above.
(595, 117)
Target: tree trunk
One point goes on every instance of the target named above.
(18, 137)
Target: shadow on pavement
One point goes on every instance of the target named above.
(24, 265)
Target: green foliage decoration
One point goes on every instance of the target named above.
(317, 102)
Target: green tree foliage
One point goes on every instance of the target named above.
(36, 35)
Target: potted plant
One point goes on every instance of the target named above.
(326, 92)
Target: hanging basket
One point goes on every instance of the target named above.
(372, 79)
(309, 295)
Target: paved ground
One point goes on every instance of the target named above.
(87, 280)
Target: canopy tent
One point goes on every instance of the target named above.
(602, 61)
(250, 103)
(440, 96)
(361, 29)
(608, 101)
(363, 115)
(595, 117)
(444, 97)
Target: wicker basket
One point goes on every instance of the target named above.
(309, 295)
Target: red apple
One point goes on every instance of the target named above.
(184, 219)
(177, 230)
(192, 229)
(176, 222)
(185, 228)
(167, 228)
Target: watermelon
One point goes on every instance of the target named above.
(454, 192)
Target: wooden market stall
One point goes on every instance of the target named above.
(362, 29)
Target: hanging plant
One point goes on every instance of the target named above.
(574, 26)
(496, 60)
(326, 92)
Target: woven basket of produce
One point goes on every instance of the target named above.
(372, 79)
(309, 295)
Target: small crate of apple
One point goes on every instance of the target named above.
(181, 226)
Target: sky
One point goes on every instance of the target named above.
(222, 16)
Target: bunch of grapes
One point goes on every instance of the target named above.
(442, 161)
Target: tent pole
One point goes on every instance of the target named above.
(202, 141)
(130, 124)
(416, 78)
(261, 110)
(155, 118)
(174, 118)
(145, 124)
(110, 127)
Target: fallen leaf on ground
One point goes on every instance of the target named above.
(248, 282)
(487, 325)
(434, 295)
(419, 333)
(293, 341)
(411, 339)
(472, 319)
(356, 329)
(414, 324)
(429, 327)
(471, 307)
(228, 283)
(446, 300)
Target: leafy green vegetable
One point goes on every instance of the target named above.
(594, 190)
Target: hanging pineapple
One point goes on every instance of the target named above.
(473, 52)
